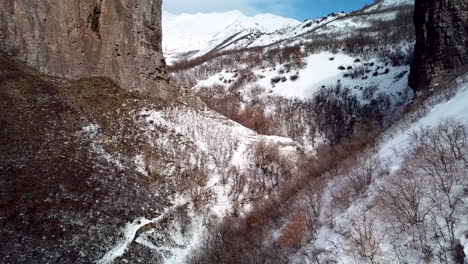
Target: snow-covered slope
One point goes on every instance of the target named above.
(203, 32)
(398, 146)
(390, 3)
(187, 36)
(322, 70)
(366, 53)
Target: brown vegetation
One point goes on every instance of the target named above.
(292, 234)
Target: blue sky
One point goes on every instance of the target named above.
(298, 9)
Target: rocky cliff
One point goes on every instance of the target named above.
(120, 40)
(442, 39)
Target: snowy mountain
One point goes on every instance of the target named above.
(201, 33)
(384, 203)
(187, 36)
(390, 3)
(286, 142)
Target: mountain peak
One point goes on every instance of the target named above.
(193, 32)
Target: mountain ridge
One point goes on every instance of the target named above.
(197, 32)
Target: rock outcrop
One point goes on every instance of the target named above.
(441, 43)
(120, 40)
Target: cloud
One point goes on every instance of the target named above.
(249, 7)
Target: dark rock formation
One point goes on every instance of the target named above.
(442, 43)
(68, 179)
(74, 39)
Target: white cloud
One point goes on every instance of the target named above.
(249, 7)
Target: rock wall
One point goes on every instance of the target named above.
(82, 38)
(441, 52)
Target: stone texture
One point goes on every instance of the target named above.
(441, 52)
(82, 38)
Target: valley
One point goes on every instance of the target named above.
(227, 138)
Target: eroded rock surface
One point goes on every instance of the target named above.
(75, 39)
(442, 39)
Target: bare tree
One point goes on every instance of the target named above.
(238, 183)
(365, 239)
(426, 194)
(360, 172)
(405, 198)
(440, 154)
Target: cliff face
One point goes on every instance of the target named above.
(441, 46)
(75, 39)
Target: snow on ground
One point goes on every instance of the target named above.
(455, 109)
(191, 242)
(390, 3)
(91, 131)
(200, 33)
(217, 137)
(129, 232)
(322, 70)
(332, 239)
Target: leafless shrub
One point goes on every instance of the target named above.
(365, 240)
(182, 217)
(312, 206)
(292, 234)
(293, 119)
(335, 108)
(318, 256)
(358, 71)
(256, 91)
(440, 153)
(201, 198)
(244, 77)
(399, 56)
(275, 80)
(360, 172)
(222, 157)
(341, 200)
(270, 166)
(256, 119)
(426, 198)
(228, 105)
(238, 183)
(405, 198)
(369, 92)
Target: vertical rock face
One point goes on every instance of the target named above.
(442, 39)
(82, 38)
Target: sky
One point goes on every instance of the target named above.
(297, 9)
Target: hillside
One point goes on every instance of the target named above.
(374, 191)
(191, 36)
(266, 140)
(362, 57)
(89, 168)
(400, 199)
